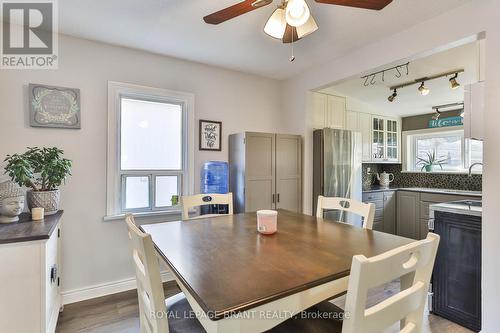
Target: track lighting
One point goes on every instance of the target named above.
(393, 96)
(423, 89)
(437, 114)
(453, 82)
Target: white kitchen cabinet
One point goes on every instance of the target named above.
(474, 111)
(352, 121)
(336, 112)
(329, 111)
(362, 123)
(320, 102)
(31, 264)
(386, 140)
(365, 127)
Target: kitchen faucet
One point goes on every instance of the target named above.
(472, 165)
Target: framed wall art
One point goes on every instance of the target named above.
(54, 107)
(210, 135)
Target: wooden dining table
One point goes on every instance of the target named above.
(238, 280)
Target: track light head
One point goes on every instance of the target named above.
(423, 89)
(437, 114)
(393, 96)
(453, 82)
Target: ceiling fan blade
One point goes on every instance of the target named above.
(235, 10)
(367, 4)
(290, 35)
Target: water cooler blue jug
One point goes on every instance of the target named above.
(214, 178)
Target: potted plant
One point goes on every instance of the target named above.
(430, 161)
(42, 170)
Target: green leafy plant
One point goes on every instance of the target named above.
(430, 161)
(41, 169)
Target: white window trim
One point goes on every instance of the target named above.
(409, 150)
(113, 183)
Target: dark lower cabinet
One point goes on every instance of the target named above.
(456, 282)
(385, 210)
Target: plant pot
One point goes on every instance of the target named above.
(48, 200)
(429, 168)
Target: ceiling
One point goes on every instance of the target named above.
(175, 28)
(409, 101)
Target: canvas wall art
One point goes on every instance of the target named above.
(54, 107)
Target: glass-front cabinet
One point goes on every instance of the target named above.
(385, 139)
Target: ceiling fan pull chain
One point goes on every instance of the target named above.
(292, 58)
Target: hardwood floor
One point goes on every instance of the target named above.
(119, 313)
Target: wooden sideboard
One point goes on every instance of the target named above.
(30, 266)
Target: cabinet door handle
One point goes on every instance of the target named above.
(431, 224)
(278, 196)
(274, 201)
(53, 274)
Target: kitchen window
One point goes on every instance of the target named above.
(149, 156)
(450, 149)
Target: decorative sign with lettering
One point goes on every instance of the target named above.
(446, 122)
(210, 135)
(55, 107)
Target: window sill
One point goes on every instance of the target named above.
(148, 216)
(443, 172)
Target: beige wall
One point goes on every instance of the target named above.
(461, 23)
(96, 252)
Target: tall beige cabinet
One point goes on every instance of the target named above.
(265, 171)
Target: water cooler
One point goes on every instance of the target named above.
(214, 179)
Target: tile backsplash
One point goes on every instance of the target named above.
(416, 179)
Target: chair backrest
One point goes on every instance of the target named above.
(412, 263)
(152, 307)
(189, 202)
(366, 210)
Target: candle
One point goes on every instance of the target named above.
(37, 214)
(267, 221)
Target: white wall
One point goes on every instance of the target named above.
(463, 22)
(96, 252)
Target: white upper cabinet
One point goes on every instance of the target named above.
(381, 136)
(361, 122)
(319, 110)
(336, 112)
(365, 127)
(352, 121)
(386, 134)
(329, 111)
(474, 111)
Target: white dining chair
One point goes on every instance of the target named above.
(412, 263)
(365, 210)
(197, 200)
(156, 314)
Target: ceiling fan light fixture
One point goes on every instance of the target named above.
(423, 89)
(308, 28)
(454, 83)
(297, 13)
(276, 25)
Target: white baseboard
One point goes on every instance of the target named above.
(109, 288)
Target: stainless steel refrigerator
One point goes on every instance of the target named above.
(337, 170)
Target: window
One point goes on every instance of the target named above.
(149, 155)
(447, 146)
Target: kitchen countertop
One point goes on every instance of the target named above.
(28, 230)
(464, 207)
(425, 190)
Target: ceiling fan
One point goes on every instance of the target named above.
(292, 20)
